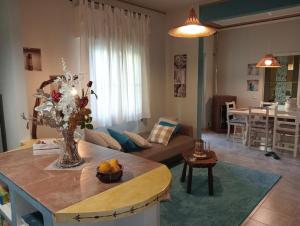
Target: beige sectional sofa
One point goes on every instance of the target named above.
(182, 141)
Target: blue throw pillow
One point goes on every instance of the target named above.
(127, 144)
(177, 127)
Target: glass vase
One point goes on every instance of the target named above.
(69, 156)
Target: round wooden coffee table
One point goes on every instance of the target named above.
(192, 162)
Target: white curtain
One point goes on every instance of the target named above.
(115, 54)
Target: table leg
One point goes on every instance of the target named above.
(189, 184)
(182, 179)
(210, 181)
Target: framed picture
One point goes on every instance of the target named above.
(32, 59)
(253, 70)
(180, 75)
(252, 85)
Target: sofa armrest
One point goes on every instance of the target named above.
(186, 130)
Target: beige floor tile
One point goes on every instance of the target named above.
(295, 222)
(281, 203)
(270, 217)
(251, 222)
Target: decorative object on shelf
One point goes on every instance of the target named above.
(201, 150)
(110, 171)
(32, 59)
(290, 104)
(268, 61)
(4, 195)
(65, 110)
(192, 28)
(180, 75)
(253, 70)
(252, 85)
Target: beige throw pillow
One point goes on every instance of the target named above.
(101, 139)
(94, 137)
(161, 134)
(112, 143)
(138, 140)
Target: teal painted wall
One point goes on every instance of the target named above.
(200, 90)
(235, 8)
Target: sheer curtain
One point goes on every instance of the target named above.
(115, 54)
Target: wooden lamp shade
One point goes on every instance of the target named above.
(268, 61)
(192, 28)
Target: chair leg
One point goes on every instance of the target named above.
(244, 130)
(246, 134)
(234, 132)
(249, 136)
(267, 140)
(296, 146)
(274, 139)
(228, 130)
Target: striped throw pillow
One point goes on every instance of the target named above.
(161, 134)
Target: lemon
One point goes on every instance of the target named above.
(114, 165)
(104, 167)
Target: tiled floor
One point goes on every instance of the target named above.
(281, 207)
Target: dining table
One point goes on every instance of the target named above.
(244, 112)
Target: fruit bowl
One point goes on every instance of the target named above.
(110, 177)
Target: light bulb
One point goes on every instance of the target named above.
(268, 62)
(192, 29)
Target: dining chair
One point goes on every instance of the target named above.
(236, 122)
(260, 128)
(286, 130)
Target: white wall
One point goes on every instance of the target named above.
(11, 72)
(48, 25)
(185, 109)
(51, 26)
(240, 46)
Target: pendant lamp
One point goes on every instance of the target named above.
(192, 28)
(268, 61)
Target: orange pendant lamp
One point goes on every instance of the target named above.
(268, 61)
(192, 28)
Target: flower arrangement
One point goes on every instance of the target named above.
(65, 109)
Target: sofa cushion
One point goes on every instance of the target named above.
(138, 140)
(170, 123)
(161, 134)
(159, 152)
(94, 137)
(127, 144)
(112, 143)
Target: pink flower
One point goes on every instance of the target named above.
(56, 96)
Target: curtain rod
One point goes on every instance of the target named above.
(126, 10)
(144, 7)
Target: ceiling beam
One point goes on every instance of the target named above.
(290, 16)
(230, 9)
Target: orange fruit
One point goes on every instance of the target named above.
(114, 165)
(104, 167)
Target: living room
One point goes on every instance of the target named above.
(152, 103)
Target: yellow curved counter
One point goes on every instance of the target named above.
(77, 196)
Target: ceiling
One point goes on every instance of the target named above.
(166, 5)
